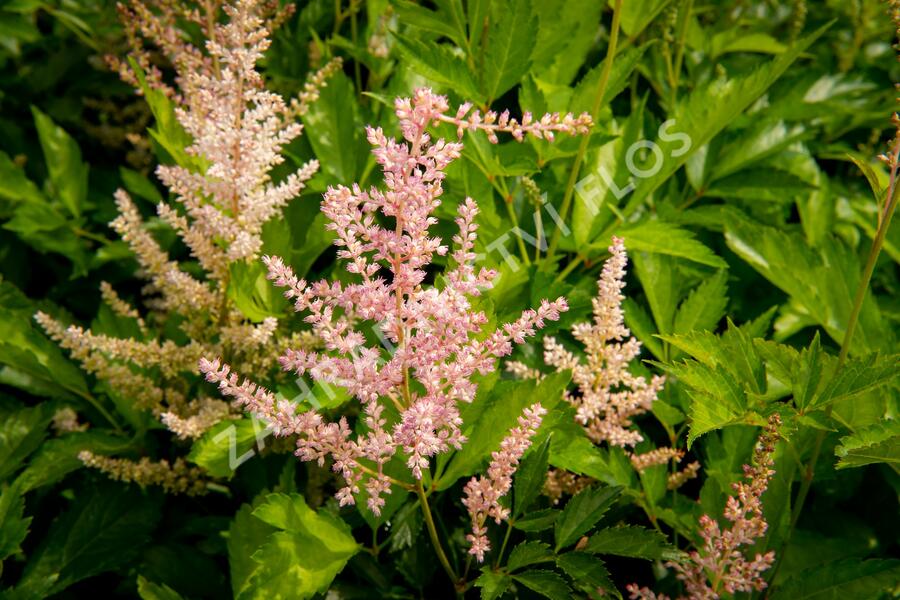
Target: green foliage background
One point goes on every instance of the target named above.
(747, 247)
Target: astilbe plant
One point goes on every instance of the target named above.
(438, 341)
(608, 395)
(223, 196)
(720, 565)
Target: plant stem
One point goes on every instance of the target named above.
(432, 532)
(877, 243)
(582, 148)
(684, 15)
(499, 558)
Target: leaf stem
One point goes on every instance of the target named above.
(585, 140)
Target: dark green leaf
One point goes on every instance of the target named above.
(582, 512)
(528, 553)
(546, 583)
(630, 541)
(530, 478)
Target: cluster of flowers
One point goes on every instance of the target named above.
(720, 565)
(226, 194)
(411, 393)
(608, 395)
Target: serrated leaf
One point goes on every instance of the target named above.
(104, 529)
(878, 443)
(501, 408)
(13, 522)
(582, 512)
(58, 457)
(528, 553)
(21, 432)
(708, 110)
(304, 556)
(14, 184)
(849, 578)
(538, 520)
(630, 541)
(530, 478)
(148, 590)
(624, 63)
(333, 127)
(511, 39)
(705, 305)
(546, 583)
(440, 65)
(492, 583)
(588, 573)
(858, 376)
(661, 237)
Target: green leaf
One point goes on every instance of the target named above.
(659, 281)
(823, 280)
(528, 553)
(538, 520)
(582, 512)
(252, 293)
(58, 457)
(878, 443)
(104, 529)
(493, 584)
(858, 376)
(140, 186)
(13, 522)
(705, 305)
(637, 14)
(68, 173)
(530, 478)
(333, 127)
(148, 590)
(849, 578)
(245, 535)
(708, 110)
(21, 432)
(546, 583)
(664, 238)
(511, 39)
(14, 184)
(439, 64)
(227, 445)
(588, 573)
(301, 559)
(446, 23)
(764, 184)
(623, 66)
(501, 408)
(631, 541)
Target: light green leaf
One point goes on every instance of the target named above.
(501, 408)
(665, 238)
(439, 64)
(511, 39)
(708, 110)
(333, 128)
(21, 432)
(14, 184)
(878, 443)
(227, 445)
(705, 305)
(148, 590)
(303, 558)
(68, 173)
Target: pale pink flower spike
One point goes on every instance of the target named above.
(438, 342)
